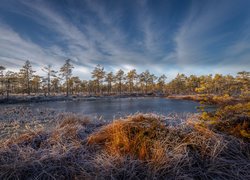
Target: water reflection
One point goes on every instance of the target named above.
(110, 108)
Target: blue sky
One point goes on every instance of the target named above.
(170, 37)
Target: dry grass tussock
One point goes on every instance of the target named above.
(138, 147)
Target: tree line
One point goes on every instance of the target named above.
(117, 83)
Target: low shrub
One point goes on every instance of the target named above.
(231, 119)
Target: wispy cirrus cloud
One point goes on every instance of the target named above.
(15, 47)
(165, 38)
(207, 36)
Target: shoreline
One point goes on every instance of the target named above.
(185, 97)
(210, 99)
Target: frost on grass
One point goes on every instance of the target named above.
(136, 147)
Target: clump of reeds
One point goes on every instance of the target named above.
(137, 147)
(182, 151)
(136, 136)
(51, 152)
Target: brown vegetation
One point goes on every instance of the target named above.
(221, 100)
(186, 97)
(138, 147)
(230, 119)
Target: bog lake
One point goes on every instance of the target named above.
(112, 108)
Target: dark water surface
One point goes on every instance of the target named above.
(110, 108)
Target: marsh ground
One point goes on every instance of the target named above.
(136, 147)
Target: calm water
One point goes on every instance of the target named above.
(114, 108)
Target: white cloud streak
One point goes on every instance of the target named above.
(87, 44)
(200, 35)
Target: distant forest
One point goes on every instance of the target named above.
(26, 81)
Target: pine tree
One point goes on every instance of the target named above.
(98, 74)
(2, 68)
(49, 73)
(131, 76)
(109, 79)
(36, 83)
(26, 74)
(161, 82)
(66, 72)
(120, 77)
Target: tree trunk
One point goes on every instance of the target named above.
(67, 87)
(8, 89)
